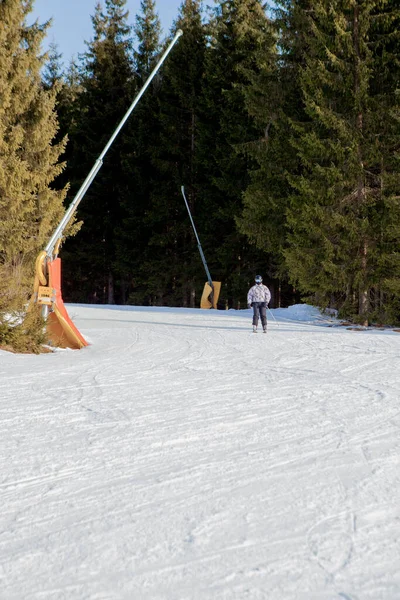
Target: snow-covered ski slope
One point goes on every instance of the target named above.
(181, 457)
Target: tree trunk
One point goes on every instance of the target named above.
(110, 289)
(123, 289)
(363, 303)
(192, 297)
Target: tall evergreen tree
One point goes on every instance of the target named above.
(237, 33)
(344, 214)
(328, 170)
(66, 84)
(273, 99)
(106, 92)
(142, 135)
(148, 32)
(29, 158)
(53, 70)
(172, 262)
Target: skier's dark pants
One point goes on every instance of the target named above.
(260, 309)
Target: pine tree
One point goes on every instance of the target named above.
(173, 266)
(273, 99)
(344, 215)
(66, 84)
(148, 32)
(30, 207)
(106, 91)
(142, 135)
(53, 71)
(237, 33)
(384, 296)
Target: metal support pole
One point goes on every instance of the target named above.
(96, 167)
(203, 258)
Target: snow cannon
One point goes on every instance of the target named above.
(47, 286)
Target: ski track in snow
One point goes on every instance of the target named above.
(181, 457)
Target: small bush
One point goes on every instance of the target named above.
(25, 336)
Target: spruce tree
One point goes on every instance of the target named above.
(273, 99)
(66, 83)
(30, 207)
(173, 266)
(142, 136)
(384, 296)
(239, 30)
(53, 70)
(106, 91)
(344, 215)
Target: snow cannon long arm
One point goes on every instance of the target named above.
(47, 286)
(57, 235)
(211, 291)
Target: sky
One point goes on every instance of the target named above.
(72, 24)
(180, 456)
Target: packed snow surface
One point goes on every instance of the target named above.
(182, 457)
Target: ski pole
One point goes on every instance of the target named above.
(272, 315)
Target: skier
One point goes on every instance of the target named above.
(258, 297)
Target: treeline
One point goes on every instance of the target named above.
(282, 123)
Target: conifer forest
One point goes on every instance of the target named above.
(281, 121)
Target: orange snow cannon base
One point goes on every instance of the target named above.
(60, 328)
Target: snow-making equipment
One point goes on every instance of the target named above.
(60, 329)
(211, 291)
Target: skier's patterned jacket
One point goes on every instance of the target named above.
(258, 293)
